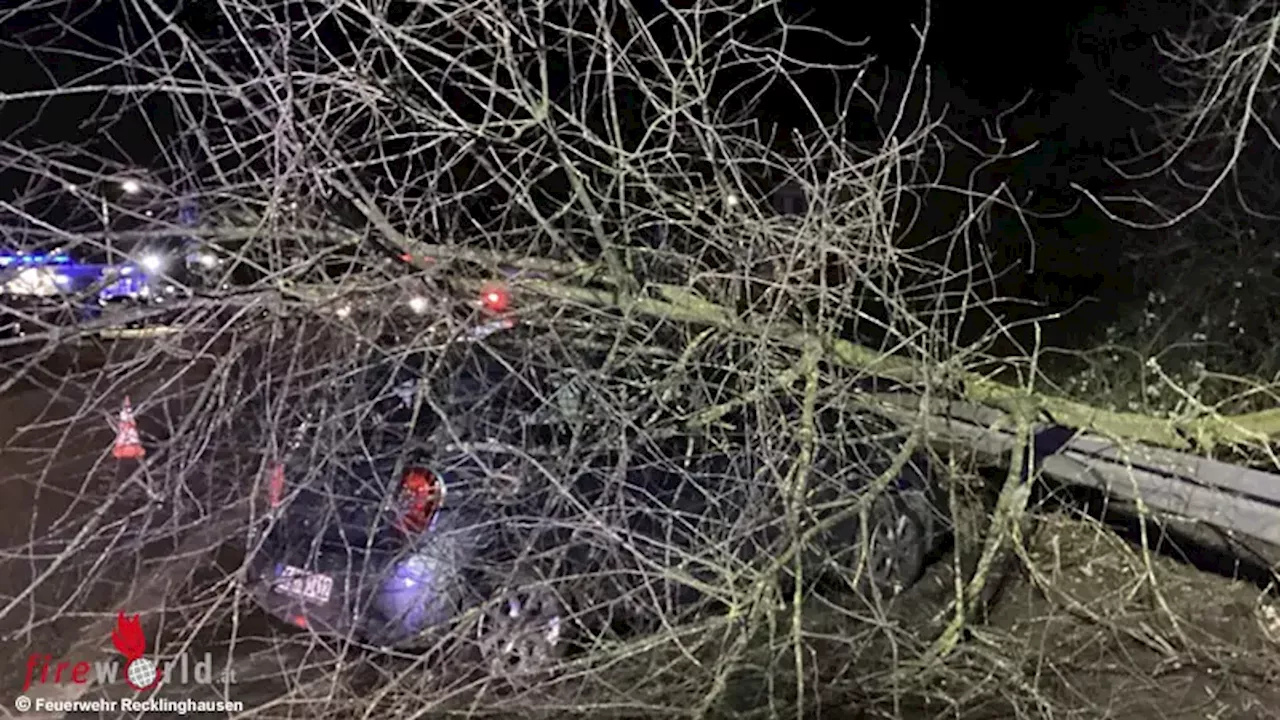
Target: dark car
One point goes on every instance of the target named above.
(508, 509)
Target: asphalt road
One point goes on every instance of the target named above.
(85, 535)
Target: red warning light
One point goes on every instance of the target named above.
(495, 299)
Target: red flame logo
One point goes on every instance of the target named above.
(139, 672)
(128, 637)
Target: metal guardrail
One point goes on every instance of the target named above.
(1237, 500)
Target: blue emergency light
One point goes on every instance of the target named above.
(58, 258)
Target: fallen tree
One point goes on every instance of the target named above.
(611, 168)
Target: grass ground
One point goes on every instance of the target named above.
(1202, 335)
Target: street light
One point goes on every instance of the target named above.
(131, 187)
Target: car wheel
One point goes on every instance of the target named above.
(898, 545)
(521, 633)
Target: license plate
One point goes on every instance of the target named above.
(306, 586)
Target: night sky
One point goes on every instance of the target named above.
(1071, 57)
(1066, 62)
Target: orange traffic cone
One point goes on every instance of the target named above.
(128, 444)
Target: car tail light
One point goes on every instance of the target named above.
(421, 494)
(275, 485)
(495, 298)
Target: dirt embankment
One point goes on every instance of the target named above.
(1106, 630)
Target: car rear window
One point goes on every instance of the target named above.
(338, 521)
